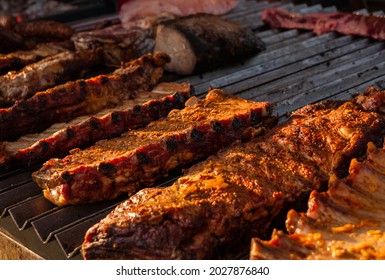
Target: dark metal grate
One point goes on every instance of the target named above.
(296, 69)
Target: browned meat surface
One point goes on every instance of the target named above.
(46, 73)
(203, 42)
(80, 97)
(46, 30)
(18, 59)
(346, 222)
(344, 23)
(138, 9)
(84, 131)
(215, 209)
(139, 158)
(117, 43)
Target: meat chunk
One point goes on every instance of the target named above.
(203, 42)
(117, 43)
(139, 158)
(80, 97)
(344, 23)
(346, 222)
(215, 209)
(139, 9)
(84, 131)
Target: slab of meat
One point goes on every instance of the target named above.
(138, 9)
(46, 73)
(344, 23)
(117, 43)
(346, 222)
(18, 59)
(80, 97)
(139, 158)
(203, 42)
(215, 209)
(84, 131)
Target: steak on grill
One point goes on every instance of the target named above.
(84, 131)
(346, 222)
(344, 23)
(139, 158)
(80, 97)
(46, 73)
(203, 42)
(221, 203)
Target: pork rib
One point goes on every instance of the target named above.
(215, 209)
(139, 158)
(344, 23)
(346, 222)
(80, 97)
(48, 72)
(84, 131)
(18, 59)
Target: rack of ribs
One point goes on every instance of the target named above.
(46, 73)
(243, 191)
(81, 97)
(346, 222)
(139, 158)
(84, 131)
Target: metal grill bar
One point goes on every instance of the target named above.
(296, 69)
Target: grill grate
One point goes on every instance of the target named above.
(296, 69)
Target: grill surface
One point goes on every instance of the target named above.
(296, 69)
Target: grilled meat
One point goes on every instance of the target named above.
(139, 9)
(53, 70)
(215, 209)
(84, 131)
(346, 222)
(203, 42)
(18, 59)
(46, 30)
(344, 23)
(80, 97)
(139, 158)
(117, 43)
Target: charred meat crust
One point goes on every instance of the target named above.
(18, 59)
(209, 41)
(52, 70)
(80, 97)
(221, 203)
(84, 134)
(141, 157)
(346, 222)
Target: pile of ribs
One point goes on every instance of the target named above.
(245, 190)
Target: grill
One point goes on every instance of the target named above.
(296, 69)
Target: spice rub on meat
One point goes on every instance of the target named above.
(84, 131)
(346, 222)
(221, 203)
(81, 97)
(139, 158)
